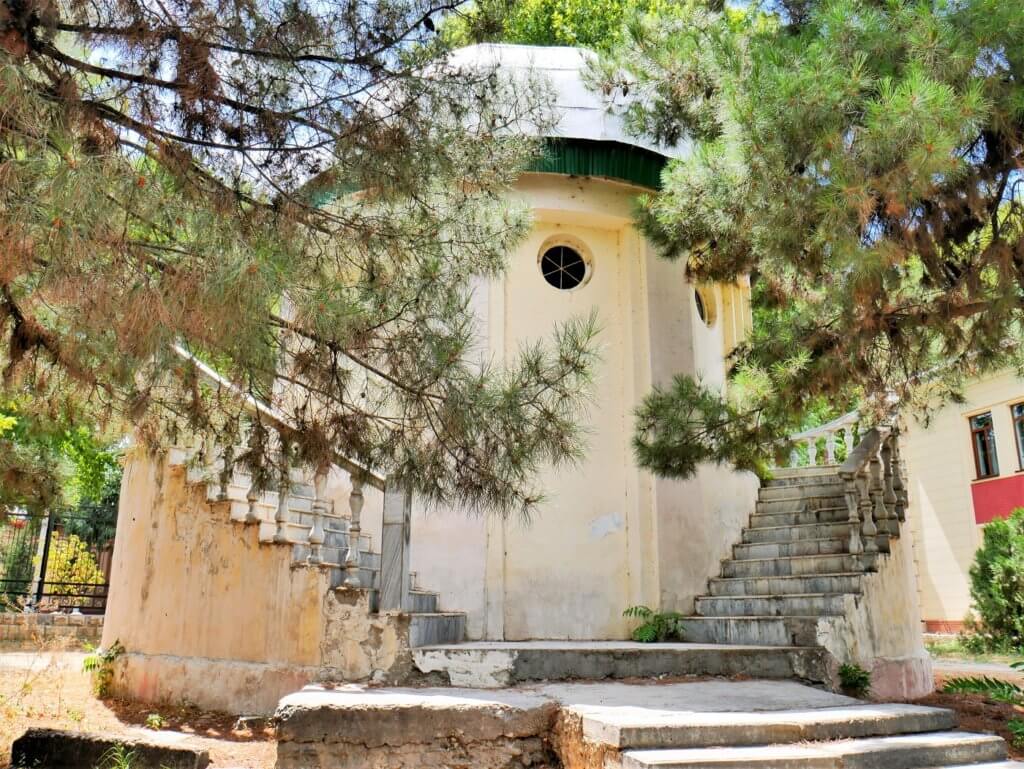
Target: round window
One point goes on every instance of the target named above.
(563, 267)
(705, 306)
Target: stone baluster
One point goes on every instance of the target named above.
(848, 438)
(316, 534)
(794, 457)
(252, 495)
(355, 506)
(898, 485)
(812, 452)
(868, 529)
(853, 513)
(879, 511)
(889, 489)
(284, 490)
(226, 471)
(830, 448)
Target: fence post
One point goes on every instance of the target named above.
(44, 558)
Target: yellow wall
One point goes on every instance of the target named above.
(941, 469)
(608, 535)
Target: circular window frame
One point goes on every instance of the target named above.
(577, 245)
(703, 297)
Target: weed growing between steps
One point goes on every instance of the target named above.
(655, 626)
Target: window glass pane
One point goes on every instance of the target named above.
(1018, 428)
(984, 440)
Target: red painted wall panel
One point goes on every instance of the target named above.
(997, 497)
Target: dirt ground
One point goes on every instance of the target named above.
(978, 714)
(44, 690)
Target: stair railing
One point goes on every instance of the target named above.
(840, 431)
(874, 489)
(394, 585)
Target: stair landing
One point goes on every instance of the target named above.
(495, 664)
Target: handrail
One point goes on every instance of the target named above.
(821, 430)
(279, 421)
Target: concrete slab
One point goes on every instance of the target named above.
(903, 752)
(733, 713)
(502, 664)
(354, 727)
(60, 749)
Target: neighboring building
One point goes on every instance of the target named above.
(966, 468)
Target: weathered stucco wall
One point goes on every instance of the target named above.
(608, 535)
(879, 629)
(208, 614)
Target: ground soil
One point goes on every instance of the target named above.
(978, 714)
(53, 692)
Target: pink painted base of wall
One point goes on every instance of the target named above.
(228, 686)
(905, 679)
(997, 498)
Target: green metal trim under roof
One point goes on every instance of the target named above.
(611, 160)
(570, 157)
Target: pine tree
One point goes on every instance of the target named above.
(861, 160)
(303, 195)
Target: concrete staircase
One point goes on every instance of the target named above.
(694, 725)
(428, 623)
(791, 568)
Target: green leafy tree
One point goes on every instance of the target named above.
(862, 161)
(584, 23)
(186, 174)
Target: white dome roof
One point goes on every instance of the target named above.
(579, 112)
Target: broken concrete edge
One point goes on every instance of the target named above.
(59, 749)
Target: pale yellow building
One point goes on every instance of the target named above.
(966, 467)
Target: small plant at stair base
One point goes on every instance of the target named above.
(1016, 727)
(99, 663)
(655, 626)
(156, 722)
(995, 689)
(854, 680)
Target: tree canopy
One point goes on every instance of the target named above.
(861, 159)
(597, 24)
(301, 195)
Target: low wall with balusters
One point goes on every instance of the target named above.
(212, 610)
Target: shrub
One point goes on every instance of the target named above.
(997, 585)
(854, 680)
(655, 626)
(16, 569)
(71, 568)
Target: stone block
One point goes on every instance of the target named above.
(57, 749)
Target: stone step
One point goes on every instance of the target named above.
(759, 550)
(773, 586)
(800, 517)
(783, 474)
(796, 566)
(907, 751)
(497, 664)
(799, 531)
(752, 630)
(423, 601)
(821, 475)
(816, 604)
(662, 726)
(798, 504)
(429, 629)
(822, 488)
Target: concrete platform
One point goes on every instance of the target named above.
(501, 664)
(610, 725)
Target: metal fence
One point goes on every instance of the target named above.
(52, 562)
